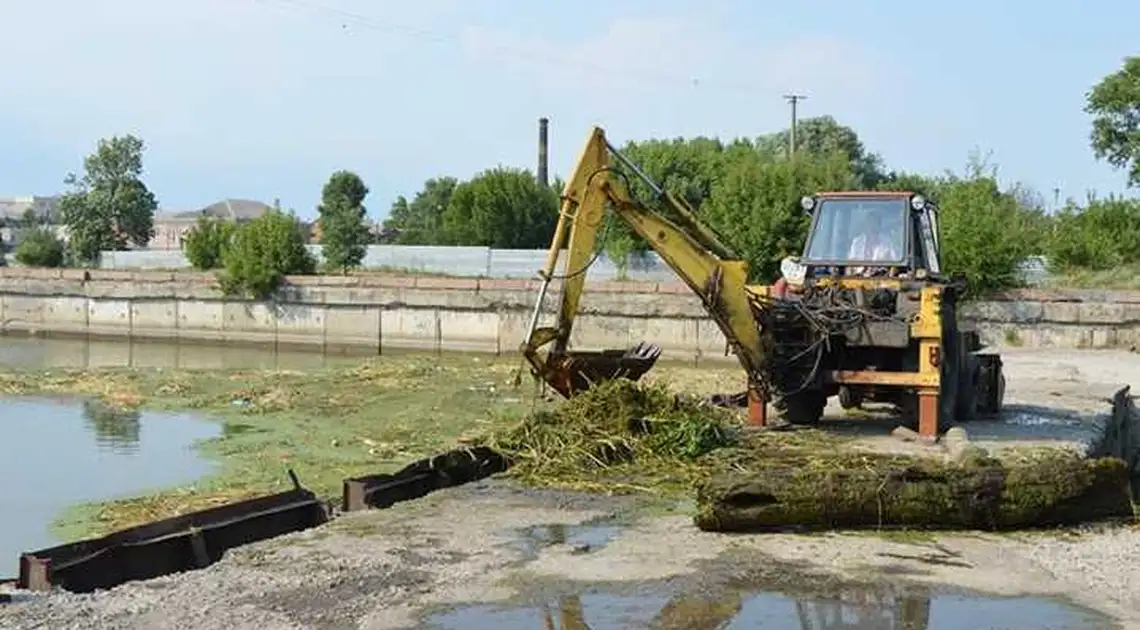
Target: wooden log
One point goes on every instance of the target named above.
(978, 494)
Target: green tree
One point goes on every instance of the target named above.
(503, 208)
(1114, 104)
(822, 136)
(263, 252)
(29, 220)
(1104, 234)
(420, 221)
(109, 207)
(344, 233)
(756, 207)
(986, 233)
(687, 168)
(206, 242)
(911, 182)
(40, 248)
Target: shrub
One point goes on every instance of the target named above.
(40, 248)
(1103, 235)
(264, 251)
(206, 242)
(986, 233)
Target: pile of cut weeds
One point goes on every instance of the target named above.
(624, 436)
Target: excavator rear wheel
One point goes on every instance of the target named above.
(802, 408)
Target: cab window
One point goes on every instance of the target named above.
(859, 230)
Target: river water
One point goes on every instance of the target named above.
(58, 452)
(22, 352)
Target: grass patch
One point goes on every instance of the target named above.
(615, 437)
(328, 424)
(1126, 277)
(377, 415)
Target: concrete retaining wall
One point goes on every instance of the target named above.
(373, 313)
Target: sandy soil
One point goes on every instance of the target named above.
(388, 569)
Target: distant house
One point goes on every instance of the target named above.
(377, 232)
(13, 211)
(171, 227)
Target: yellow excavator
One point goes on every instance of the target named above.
(865, 313)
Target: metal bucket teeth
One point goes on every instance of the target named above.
(575, 372)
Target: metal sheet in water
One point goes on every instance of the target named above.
(422, 477)
(189, 541)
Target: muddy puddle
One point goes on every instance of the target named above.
(748, 593)
(879, 607)
(1022, 422)
(580, 538)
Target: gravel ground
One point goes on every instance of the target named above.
(387, 569)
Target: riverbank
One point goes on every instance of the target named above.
(357, 417)
(476, 545)
(375, 314)
(326, 423)
(469, 551)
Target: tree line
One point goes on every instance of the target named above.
(747, 189)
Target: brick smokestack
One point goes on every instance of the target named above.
(543, 151)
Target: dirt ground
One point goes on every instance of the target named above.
(394, 568)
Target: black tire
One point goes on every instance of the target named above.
(803, 409)
(966, 403)
(848, 399)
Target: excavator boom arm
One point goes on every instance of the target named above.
(690, 248)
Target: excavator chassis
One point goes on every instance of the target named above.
(907, 349)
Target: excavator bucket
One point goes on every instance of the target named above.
(572, 373)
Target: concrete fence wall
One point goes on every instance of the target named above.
(471, 262)
(374, 313)
(482, 262)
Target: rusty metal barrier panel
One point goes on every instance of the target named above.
(181, 543)
(421, 478)
(1123, 439)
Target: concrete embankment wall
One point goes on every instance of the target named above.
(374, 313)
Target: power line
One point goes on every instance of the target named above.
(514, 52)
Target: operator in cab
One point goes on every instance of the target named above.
(876, 239)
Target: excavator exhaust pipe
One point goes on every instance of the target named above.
(572, 373)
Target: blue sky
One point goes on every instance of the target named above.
(265, 98)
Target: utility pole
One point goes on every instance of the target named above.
(793, 100)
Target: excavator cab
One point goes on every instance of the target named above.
(867, 234)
